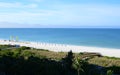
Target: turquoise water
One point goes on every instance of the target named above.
(109, 38)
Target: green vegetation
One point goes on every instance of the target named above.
(109, 72)
(78, 63)
(29, 61)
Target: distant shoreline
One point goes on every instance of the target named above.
(65, 48)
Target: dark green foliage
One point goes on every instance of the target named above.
(81, 53)
(24, 48)
(43, 50)
(115, 69)
(2, 47)
(17, 53)
(68, 60)
(6, 46)
(28, 54)
(6, 53)
(109, 72)
(25, 61)
(84, 68)
(15, 63)
(78, 63)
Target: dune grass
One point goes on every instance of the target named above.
(105, 61)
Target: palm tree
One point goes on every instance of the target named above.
(78, 63)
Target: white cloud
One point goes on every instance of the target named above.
(26, 17)
(86, 14)
(36, 0)
(17, 5)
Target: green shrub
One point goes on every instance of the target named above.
(27, 54)
(6, 53)
(25, 48)
(81, 53)
(109, 72)
(115, 69)
(17, 53)
(43, 50)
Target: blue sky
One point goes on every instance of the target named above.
(59, 13)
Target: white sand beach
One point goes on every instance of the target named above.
(65, 48)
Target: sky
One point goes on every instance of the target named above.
(59, 13)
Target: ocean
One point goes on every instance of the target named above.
(93, 37)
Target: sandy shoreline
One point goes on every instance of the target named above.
(65, 48)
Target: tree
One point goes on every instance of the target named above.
(78, 63)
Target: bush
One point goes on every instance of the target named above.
(43, 50)
(81, 53)
(27, 54)
(115, 69)
(6, 53)
(109, 72)
(17, 52)
(24, 48)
